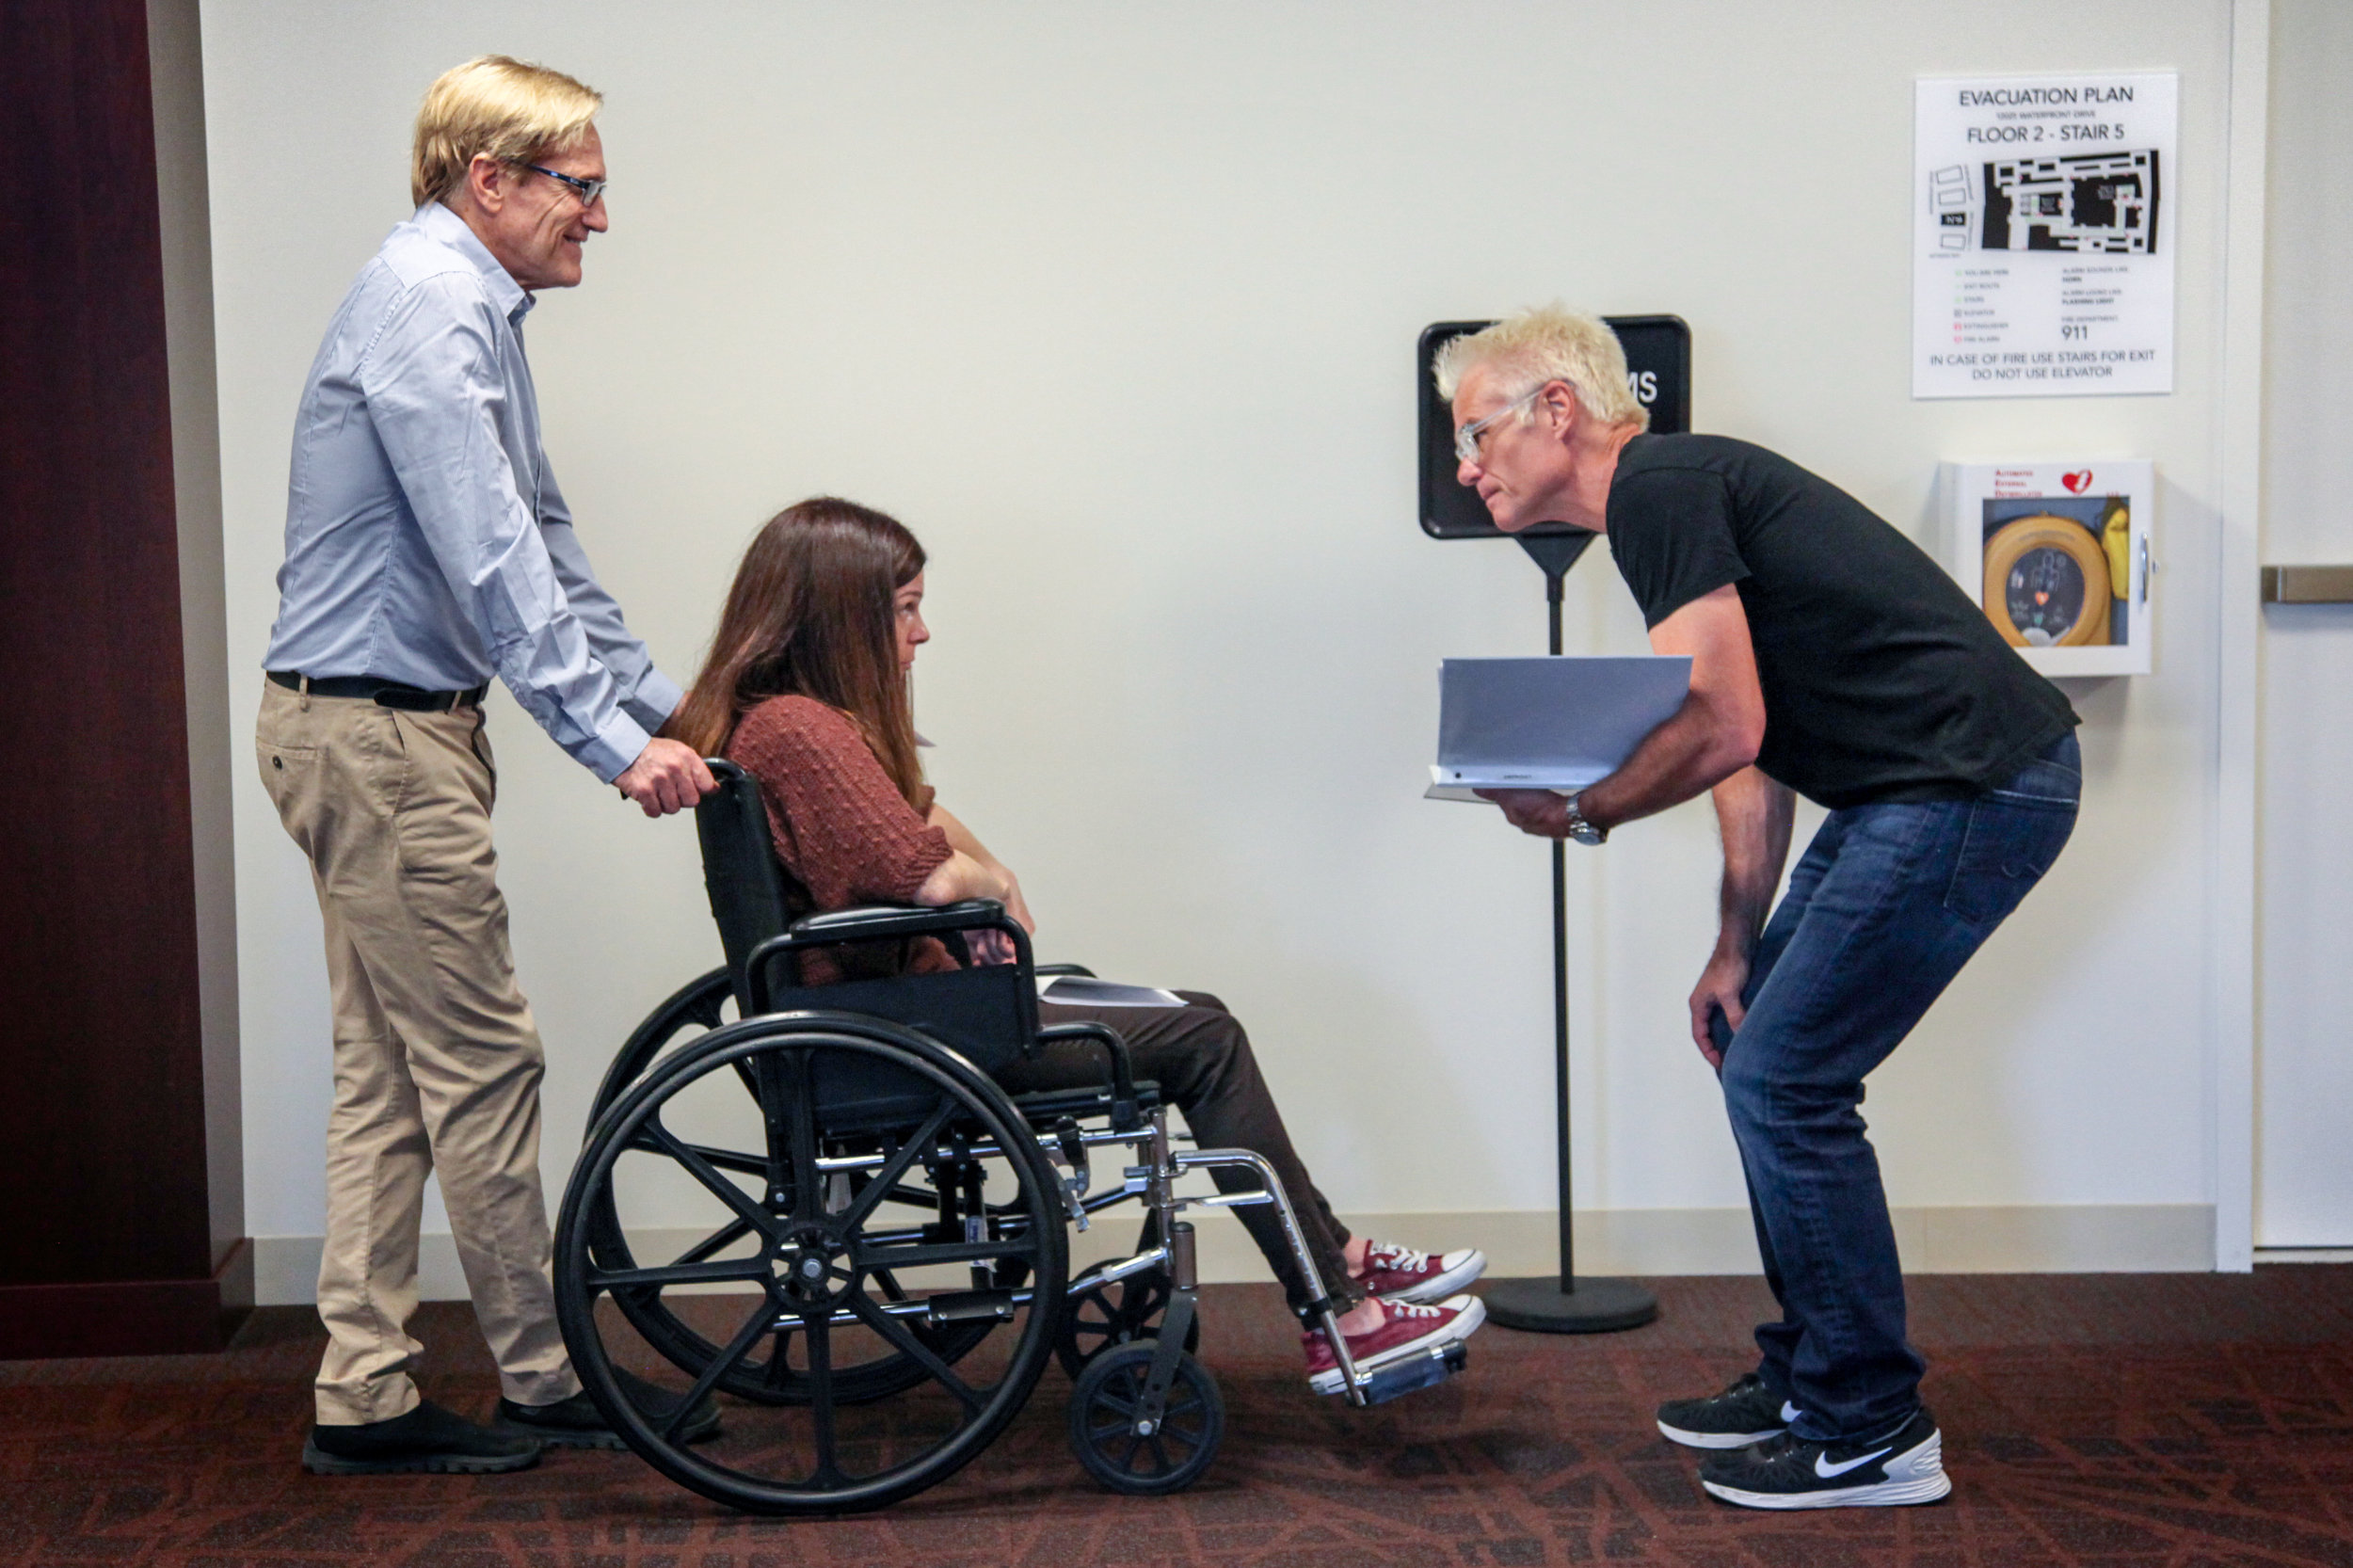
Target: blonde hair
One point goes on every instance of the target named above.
(498, 106)
(1549, 343)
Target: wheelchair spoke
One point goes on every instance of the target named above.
(726, 1235)
(821, 1399)
(727, 1270)
(1161, 1452)
(886, 1179)
(703, 1171)
(725, 1362)
(899, 1334)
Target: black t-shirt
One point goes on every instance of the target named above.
(1883, 681)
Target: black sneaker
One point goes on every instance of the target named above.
(1743, 1414)
(577, 1423)
(427, 1438)
(1905, 1466)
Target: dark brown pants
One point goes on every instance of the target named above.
(1202, 1061)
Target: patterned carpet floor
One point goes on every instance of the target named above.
(2172, 1421)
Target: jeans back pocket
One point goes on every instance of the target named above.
(2013, 838)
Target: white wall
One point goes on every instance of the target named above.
(1114, 305)
(2304, 1190)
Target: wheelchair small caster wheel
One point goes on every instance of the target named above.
(1124, 1452)
(1103, 1317)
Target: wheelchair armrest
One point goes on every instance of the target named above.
(1126, 1114)
(889, 920)
(876, 922)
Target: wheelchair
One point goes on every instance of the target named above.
(879, 1271)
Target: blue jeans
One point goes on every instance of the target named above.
(1889, 901)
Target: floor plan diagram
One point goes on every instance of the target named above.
(2093, 203)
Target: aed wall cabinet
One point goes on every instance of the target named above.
(2057, 556)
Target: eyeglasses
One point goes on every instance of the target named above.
(1466, 440)
(587, 190)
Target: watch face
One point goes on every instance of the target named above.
(2044, 595)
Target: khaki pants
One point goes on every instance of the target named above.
(437, 1060)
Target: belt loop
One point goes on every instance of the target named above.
(306, 693)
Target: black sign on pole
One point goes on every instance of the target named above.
(1658, 368)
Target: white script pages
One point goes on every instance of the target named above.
(1547, 724)
(2043, 224)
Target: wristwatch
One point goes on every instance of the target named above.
(1581, 830)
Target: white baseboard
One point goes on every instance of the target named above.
(2020, 1239)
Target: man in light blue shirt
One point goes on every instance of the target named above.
(427, 549)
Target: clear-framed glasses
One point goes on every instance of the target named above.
(587, 190)
(1466, 440)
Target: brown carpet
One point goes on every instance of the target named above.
(2172, 1421)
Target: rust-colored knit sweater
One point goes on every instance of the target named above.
(844, 833)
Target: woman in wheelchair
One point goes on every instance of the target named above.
(805, 688)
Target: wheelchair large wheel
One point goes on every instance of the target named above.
(812, 1276)
(704, 1005)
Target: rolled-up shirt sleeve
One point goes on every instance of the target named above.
(647, 694)
(436, 396)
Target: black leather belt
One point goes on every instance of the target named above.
(385, 693)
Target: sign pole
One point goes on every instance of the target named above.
(1564, 1304)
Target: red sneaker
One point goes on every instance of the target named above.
(1404, 1326)
(1396, 1273)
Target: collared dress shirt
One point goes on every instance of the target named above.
(427, 542)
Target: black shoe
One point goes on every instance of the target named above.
(1743, 1414)
(577, 1423)
(1905, 1466)
(427, 1438)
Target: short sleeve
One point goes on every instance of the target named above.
(1671, 535)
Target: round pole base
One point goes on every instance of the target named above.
(1596, 1306)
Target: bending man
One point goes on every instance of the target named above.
(1829, 657)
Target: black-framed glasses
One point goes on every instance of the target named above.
(590, 191)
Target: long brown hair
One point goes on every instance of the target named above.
(811, 614)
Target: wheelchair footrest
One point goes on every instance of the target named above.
(1419, 1370)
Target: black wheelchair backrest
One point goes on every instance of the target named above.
(740, 869)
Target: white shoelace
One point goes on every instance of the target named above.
(1394, 1310)
(1388, 1254)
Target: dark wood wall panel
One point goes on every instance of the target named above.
(101, 1132)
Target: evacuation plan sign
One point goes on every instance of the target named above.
(2043, 235)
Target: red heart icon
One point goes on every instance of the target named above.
(2077, 483)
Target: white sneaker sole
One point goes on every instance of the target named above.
(1915, 1475)
(1439, 1287)
(1717, 1439)
(1468, 1315)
